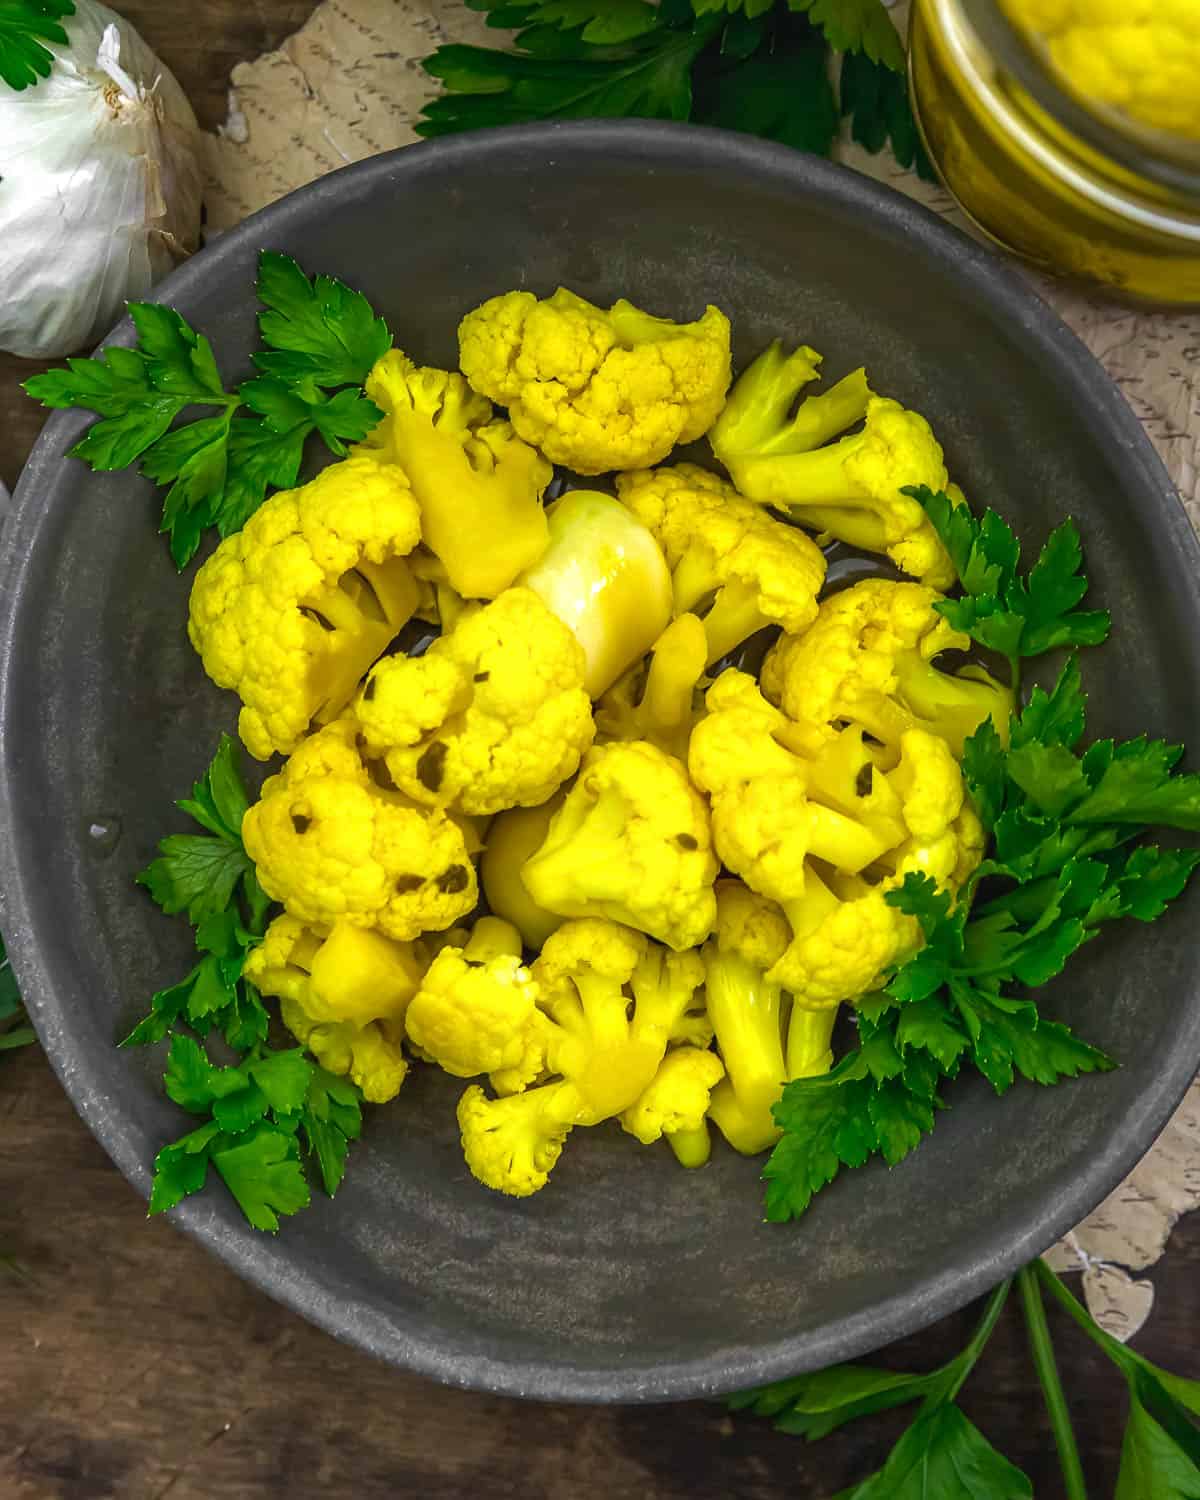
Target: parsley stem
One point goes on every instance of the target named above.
(979, 1338)
(1042, 1347)
(1115, 1350)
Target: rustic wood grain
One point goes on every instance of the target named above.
(134, 1367)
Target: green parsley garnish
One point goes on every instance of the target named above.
(25, 25)
(260, 1109)
(943, 1456)
(760, 66)
(322, 340)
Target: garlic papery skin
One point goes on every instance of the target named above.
(100, 187)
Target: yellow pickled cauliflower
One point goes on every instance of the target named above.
(632, 843)
(343, 996)
(658, 699)
(675, 1103)
(330, 844)
(870, 657)
(478, 485)
(352, 974)
(758, 571)
(595, 389)
(763, 1038)
(370, 1056)
(776, 809)
(849, 488)
(844, 934)
(1141, 57)
(610, 1005)
(494, 715)
(476, 1010)
(769, 812)
(292, 610)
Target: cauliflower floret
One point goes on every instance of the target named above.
(354, 974)
(292, 610)
(512, 1144)
(631, 842)
(869, 657)
(850, 488)
(478, 485)
(596, 1065)
(760, 571)
(675, 1103)
(494, 715)
(330, 844)
(776, 810)
(476, 1010)
(609, 1006)
(845, 935)
(1141, 57)
(767, 817)
(594, 389)
(370, 1056)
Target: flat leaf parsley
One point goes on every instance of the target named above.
(322, 339)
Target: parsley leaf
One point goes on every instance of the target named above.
(944, 1454)
(199, 873)
(24, 26)
(263, 1172)
(317, 329)
(257, 1108)
(760, 66)
(813, 1406)
(210, 876)
(1052, 885)
(331, 1118)
(181, 1168)
(875, 98)
(857, 26)
(1014, 615)
(602, 22)
(649, 76)
(779, 89)
(218, 468)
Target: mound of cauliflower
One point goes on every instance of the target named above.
(595, 803)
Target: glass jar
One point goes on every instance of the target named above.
(1065, 180)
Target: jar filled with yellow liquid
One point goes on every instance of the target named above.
(1069, 131)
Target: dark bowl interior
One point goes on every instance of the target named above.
(627, 1279)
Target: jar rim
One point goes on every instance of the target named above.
(1169, 160)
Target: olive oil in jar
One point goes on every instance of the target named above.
(1041, 173)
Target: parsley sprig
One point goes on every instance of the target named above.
(943, 1456)
(259, 1110)
(1068, 854)
(25, 27)
(761, 66)
(1013, 613)
(321, 340)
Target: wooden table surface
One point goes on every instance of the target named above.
(133, 1367)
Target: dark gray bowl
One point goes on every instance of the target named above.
(627, 1279)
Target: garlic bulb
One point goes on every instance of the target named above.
(99, 186)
